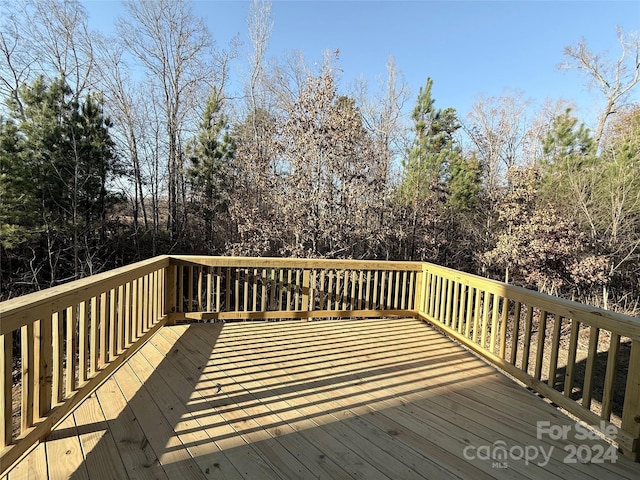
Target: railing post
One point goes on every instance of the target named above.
(170, 301)
(631, 408)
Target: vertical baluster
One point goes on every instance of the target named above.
(135, 308)
(542, 333)
(571, 360)
(121, 321)
(312, 290)
(476, 314)
(461, 308)
(447, 309)
(127, 315)
(172, 293)
(486, 300)
(289, 288)
(6, 385)
(367, 296)
(72, 345)
(298, 294)
(610, 376)
(403, 292)
(494, 323)
(27, 343)
(383, 282)
(555, 346)
(190, 289)
(153, 299)
(433, 284)
(83, 337)
(237, 290)
(227, 293)
(320, 276)
(437, 299)
(146, 321)
(374, 305)
(255, 290)
(515, 334)
(503, 327)
(218, 288)
(246, 290)
(58, 358)
(631, 408)
(468, 317)
(352, 299)
(587, 389)
(345, 290)
(526, 348)
(280, 287)
(93, 343)
(263, 300)
(180, 288)
(201, 293)
(40, 337)
(102, 355)
(112, 325)
(412, 286)
(306, 290)
(209, 291)
(272, 295)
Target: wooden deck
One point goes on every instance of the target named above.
(325, 399)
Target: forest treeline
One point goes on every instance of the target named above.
(117, 149)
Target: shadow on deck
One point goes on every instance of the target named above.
(324, 399)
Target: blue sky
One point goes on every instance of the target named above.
(469, 48)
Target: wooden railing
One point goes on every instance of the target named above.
(210, 288)
(70, 338)
(537, 339)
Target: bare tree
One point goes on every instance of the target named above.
(497, 126)
(615, 79)
(383, 115)
(177, 53)
(260, 27)
(124, 101)
(16, 64)
(45, 37)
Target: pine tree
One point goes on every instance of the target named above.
(209, 174)
(437, 180)
(56, 151)
(17, 194)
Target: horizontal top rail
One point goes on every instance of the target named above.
(305, 263)
(21, 311)
(619, 323)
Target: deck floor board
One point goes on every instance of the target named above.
(343, 399)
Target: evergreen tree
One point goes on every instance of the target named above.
(567, 139)
(17, 190)
(437, 181)
(56, 153)
(209, 174)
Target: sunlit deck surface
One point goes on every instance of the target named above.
(324, 399)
